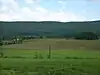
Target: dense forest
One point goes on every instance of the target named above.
(47, 28)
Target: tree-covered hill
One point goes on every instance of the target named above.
(48, 28)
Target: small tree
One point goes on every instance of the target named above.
(20, 40)
(1, 44)
(14, 39)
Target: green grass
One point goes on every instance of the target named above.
(63, 62)
(60, 54)
(68, 57)
(42, 66)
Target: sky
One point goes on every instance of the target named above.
(49, 10)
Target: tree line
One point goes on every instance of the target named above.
(20, 39)
(87, 36)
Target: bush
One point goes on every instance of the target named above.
(36, 55)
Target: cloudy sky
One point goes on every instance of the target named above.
(49, 10)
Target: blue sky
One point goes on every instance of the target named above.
(49, 10)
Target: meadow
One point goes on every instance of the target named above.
(68, 57)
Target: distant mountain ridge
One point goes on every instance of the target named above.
(48, 28)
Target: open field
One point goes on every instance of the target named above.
(62, 62)
(31, 58)
(57, 44)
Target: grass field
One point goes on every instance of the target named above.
(30, 58)
(57, 44)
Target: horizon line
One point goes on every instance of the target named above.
(51, 21)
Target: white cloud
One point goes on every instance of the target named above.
(11, 11)
(29, 1)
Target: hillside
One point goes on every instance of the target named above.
(48, 28)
